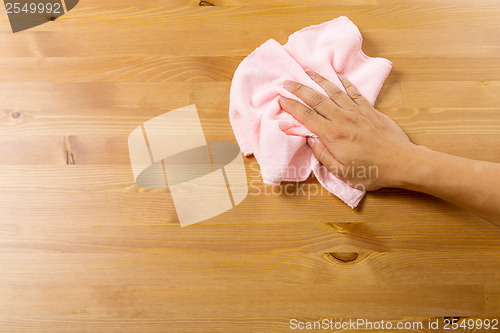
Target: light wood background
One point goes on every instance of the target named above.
(83, 249)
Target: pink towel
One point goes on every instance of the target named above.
(276, 139)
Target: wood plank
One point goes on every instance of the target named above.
(119, 69)
(218, 301)
(493, 297)
(214, 69)
(388, 43)
(469, 94)
(450, 69)
(194, 266)
(55, 220)
(104, 95)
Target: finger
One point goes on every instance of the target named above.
(353, 93)
(334, 92)
(326, 158)
(311, 120)
(316, 100)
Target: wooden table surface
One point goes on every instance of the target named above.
(84, 249)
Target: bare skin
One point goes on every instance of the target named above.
(353, 134)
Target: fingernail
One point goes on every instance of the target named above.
(341, 77)
(311, 74)
(287, 84)
(310, 141)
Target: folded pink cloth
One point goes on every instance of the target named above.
(276, 139)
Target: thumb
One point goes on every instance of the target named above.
(325, 157)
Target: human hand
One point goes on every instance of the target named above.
(356, 142)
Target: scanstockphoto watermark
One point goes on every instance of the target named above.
(354, 324)
(356, 173)
(446, 324)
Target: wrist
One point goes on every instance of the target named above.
(415, 167)
(406, 168)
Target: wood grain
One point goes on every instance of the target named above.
(84, 249)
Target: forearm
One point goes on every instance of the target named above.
(473, 185)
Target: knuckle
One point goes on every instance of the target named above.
(317, 100)
(348, 85)
(320, 155)
(356, 96)
(337, 93)
(352, 118)
(320, 79)
(354, 93)
(297, 87)
(335, 134)
(309, 115)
